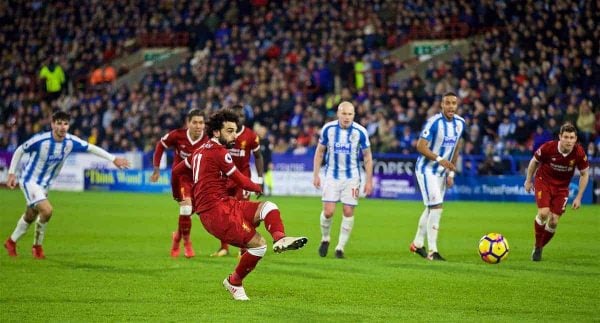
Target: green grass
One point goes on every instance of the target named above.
(107, 260)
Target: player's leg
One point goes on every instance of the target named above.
(436, 189)
(543, 199)
(256, 249)
(560, 198)
(349, 197)
(44, 210)
(330, 196)
(185, 226)
(417, 246)
(21, 228)
(268, 213)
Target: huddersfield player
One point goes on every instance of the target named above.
(342, 140)
(438, 144)
(47, 154)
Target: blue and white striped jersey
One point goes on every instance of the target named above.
(343, 149)
(442, 136)
(47, 156)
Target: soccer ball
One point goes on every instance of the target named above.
(493, 248)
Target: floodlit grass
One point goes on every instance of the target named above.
(108, 260)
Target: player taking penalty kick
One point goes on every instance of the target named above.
(549, 173)
(228, 219)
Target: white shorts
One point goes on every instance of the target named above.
(341, 190)
(34, 193)
(433, 188)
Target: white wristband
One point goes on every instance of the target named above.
(439, 159)
(451, 174)
(260, 180)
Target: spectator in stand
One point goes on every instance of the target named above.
(54, 79)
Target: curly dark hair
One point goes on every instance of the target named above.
(216, 120)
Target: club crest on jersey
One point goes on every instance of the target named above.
(243, 145)
(354, 137)
(228, 158)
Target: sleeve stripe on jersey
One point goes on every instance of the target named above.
(163, 143)
(257, 148)
(233, 169)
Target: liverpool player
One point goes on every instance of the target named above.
(231, 220)
(246, 141)
(184, 141)
(555, 163)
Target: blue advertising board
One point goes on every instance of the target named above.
(126, 180)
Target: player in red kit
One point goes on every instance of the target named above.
(246, 142)
(231, 220)
(184, 142)
(553, 166)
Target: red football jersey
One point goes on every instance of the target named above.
(211, 164)
(557, 169)
(245, 142)
(181, 141)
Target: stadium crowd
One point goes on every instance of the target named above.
(532, 66)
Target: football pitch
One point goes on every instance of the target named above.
(107, 259)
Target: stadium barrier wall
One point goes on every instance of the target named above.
(71, 177)
(393, 178)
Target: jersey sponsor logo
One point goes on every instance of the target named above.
(449, 141)
(341, 148)
(237, 152)
(55, 157)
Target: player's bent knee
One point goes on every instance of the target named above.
(185, 210)
(266, 208)
(258, 251)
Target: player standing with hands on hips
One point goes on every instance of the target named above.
(553, 166)
(342, 140)
(47, 154)
(438, 144)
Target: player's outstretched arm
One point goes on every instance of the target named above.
(245, 182)
(117, 161)
(584, 178)
(11, 181)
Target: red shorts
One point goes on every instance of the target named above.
(552, 197)
(181, 187)
(231, 221)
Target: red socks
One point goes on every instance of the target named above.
(224, 245)
(244, 267)
(185, 226)
(274, 225)
(542, 236)
(539, 234)
(547, 237)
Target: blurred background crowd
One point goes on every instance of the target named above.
(532, 66)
